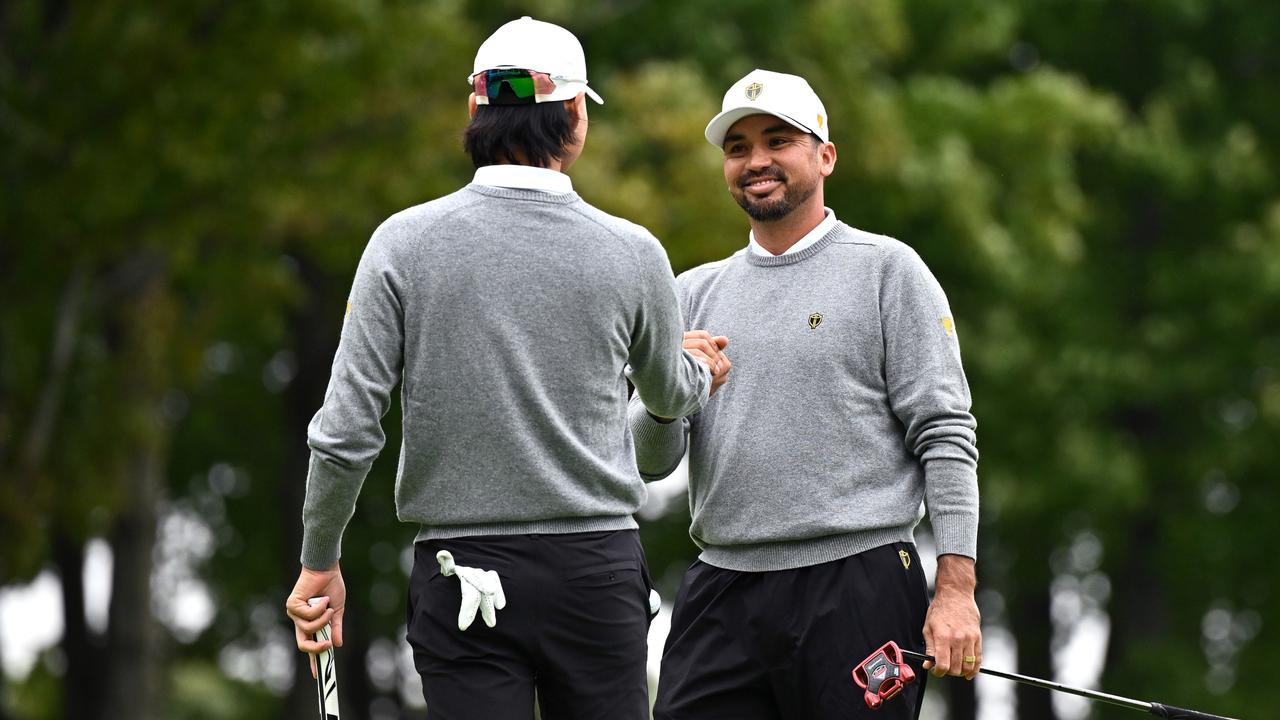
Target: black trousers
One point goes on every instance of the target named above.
(782, 645)
(575, 629)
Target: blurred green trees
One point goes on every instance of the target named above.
(187, 188)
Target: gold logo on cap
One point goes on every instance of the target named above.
(820, 121)
(754, 90)
(815, 320)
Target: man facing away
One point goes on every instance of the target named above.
(848, 408)
(510, 311)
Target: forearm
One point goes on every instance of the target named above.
(672, 386)
(329, 504)
(951, 495)
(659, 446)
(668, 380)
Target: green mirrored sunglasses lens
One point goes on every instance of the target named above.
(518, 80)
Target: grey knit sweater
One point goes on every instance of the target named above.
(846, 406)
(511, 316)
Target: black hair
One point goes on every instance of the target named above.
(532, 133)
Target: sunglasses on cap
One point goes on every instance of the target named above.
(527, 85)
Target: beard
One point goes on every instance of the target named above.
(793, 196)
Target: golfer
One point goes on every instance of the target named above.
(847, 408)
(511, 313)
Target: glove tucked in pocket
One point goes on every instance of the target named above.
(481, 591)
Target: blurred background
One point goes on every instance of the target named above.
(187, 187)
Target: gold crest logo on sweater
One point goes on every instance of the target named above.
(815, 320)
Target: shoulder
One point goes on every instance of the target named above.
(614, 225)
(407, 229)
(632, 237)
(418, 217)
(849, 235)
(893, 254)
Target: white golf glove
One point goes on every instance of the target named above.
(481, 590)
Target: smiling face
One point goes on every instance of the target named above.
(773, 168)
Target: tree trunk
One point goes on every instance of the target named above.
(4, 691)
(135, 639)
(1033, 627)
(136, 644)
(1031, 621)
(81, 686)
(962, 701)
(1139, 615)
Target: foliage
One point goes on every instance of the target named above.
(187, 188)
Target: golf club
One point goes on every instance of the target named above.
(327, 675)
(890, 654)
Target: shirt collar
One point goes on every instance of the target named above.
(525, 177)
(811, 237)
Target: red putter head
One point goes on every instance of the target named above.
(883, 674)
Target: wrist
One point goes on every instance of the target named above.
(956, 575)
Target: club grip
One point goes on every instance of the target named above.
(1177, 713)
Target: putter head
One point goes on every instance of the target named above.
(883, 674)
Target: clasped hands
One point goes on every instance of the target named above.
(709, 350)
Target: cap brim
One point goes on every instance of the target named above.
(573, 89)
(720, 124)
(570, 91)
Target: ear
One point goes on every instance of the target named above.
(827, 159)
(577, 107)
(471, 106)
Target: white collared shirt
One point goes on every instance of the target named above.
(809, 238)
(524, 177)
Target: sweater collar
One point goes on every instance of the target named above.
(811, 237)
(791, 258)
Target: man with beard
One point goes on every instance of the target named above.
(848, 409)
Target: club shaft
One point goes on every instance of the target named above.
(1037, 682)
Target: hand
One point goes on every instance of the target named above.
(709, 351)
(308, 619)
(481, 589)
(952, 627)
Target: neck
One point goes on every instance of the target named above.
(779, 235)
(555, 163)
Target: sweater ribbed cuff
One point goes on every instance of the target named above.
(321, 547)
(659, 446)
(956, 534)
(952, 500)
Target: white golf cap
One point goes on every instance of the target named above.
(763, 92)
(529, 44)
